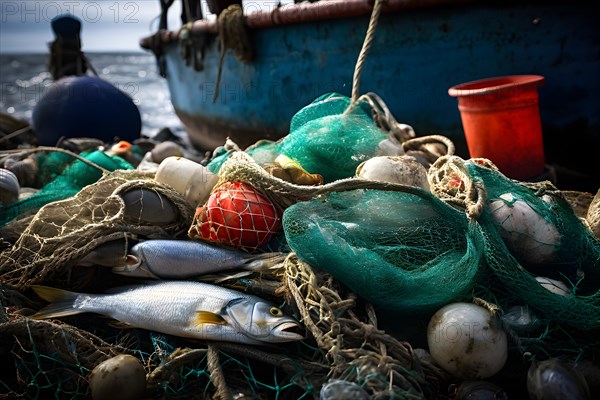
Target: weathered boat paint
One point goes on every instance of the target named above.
(417, 54)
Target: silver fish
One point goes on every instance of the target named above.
(179, 259)
(180, 308)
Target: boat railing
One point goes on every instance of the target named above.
(295, 13)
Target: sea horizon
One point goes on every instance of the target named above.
(25, 79)
(37, 52)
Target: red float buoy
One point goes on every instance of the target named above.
(236, 214)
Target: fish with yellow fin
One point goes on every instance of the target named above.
(187, 309)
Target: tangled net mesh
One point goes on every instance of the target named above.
(53, 359)
(357, 350)
(65, 231)
(568, 325)
(44, 359)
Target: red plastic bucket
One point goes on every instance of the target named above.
(501, 120)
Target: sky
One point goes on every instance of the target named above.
(107, 25)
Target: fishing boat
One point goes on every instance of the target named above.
(246, 82)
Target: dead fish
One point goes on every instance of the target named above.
(180, 308)
(554, 380)
(178, 259)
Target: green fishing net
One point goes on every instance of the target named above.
(530, 232)
(569, 253)
(53, 359)
(62, 232)
(409, 252)
(72, 177)
(403, 251)
(558, 245)
(51, 165)
(327, 137)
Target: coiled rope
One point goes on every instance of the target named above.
(232, 35)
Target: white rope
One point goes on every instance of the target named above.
(365, 49)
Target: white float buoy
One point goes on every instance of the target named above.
(194, 181)
(395, 169)
(122, 377)
(466, 340)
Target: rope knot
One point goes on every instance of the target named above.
(232, 35)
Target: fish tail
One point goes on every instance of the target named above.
(263, 261)
(62, 302)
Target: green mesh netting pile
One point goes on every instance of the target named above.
(63, 232)
(53, 359)
(404, 251)
(327, 137)
(362, 253)
(569, 322)
(408, 252)
(71, 176)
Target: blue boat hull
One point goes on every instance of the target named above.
(417, 55)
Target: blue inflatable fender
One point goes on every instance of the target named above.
(85, 106)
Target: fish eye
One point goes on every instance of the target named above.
(276, 312)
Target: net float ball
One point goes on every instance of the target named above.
(119, 378)
(467, 341)
(236, 214)
(85, 106)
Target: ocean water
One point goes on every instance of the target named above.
(24, 79)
